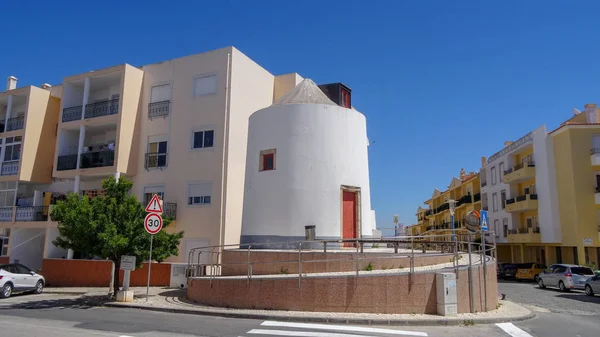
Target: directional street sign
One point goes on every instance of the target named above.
(153, 223)
(484, 220)
(154, 206)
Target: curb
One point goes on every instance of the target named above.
(316, 319)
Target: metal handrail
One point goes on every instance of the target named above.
(421, 240)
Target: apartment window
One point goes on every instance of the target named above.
(597, 179)
(495, 202)
(160, 93)
(199, 194)
(484, 201)
(203, 139)
(206, 85)
(501, 171)
(505, 227)
(503, 198)
(157, 154)
(532, 189)
(529, 222)
(150, 191)
(13, 148)
(4, 238)
(496, 226)
(267, 160)
(493, 173)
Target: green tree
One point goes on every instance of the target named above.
(110, 226)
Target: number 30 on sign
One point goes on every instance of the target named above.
(153, 223)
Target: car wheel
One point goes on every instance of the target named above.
(562, 287)
(541, 283)
(6, 290)
(536, 278)
(588, 290)
(39, 287)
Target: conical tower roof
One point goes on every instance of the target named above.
(306, 92)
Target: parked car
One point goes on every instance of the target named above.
(500, 269)
(565, 277)
(529, 271)
(592, 286)
(509, 271)
(18, 278)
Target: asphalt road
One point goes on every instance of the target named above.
(75, 317)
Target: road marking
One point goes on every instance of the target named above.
(301, 333)
(513, 330)
(343, 328)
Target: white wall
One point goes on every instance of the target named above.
(99, 138)
(545, 178)
(53, 252)
(68, 140)
(104, 93)
(27, 246)
(319, 148)
(72, 96)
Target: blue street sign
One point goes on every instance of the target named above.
(484, 220)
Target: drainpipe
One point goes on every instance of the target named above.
(224, 163)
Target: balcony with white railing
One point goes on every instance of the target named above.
(524, 235)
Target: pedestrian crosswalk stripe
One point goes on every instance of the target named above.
(343, 328)
(512, 330)
(301, 333)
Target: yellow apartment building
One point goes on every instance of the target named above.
(436, 216)
(177, 128)
(542, 193)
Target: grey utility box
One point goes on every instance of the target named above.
(446, 294)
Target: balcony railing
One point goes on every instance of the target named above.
(6, 214)
(9, 168)
(67, 162)
(155, 160)
(159, 109)
(32, 213)
(72, 113)
(97, 159)
(103, 108)
(595, 151)
(15, 123)
(170, 210)
(477, 197)
(483, 183)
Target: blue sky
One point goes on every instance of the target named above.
(441, 82)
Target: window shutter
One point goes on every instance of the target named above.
(160, 93)
(205, 85)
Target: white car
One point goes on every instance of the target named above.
(18, 278)
(592, 286)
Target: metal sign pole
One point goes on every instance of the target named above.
(470, 276)
(149, 267)
(484, 270)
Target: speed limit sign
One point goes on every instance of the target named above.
(153, 223)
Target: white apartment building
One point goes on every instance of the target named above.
(519, 194)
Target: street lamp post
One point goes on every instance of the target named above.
(452, 204)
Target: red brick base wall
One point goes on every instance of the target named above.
(4, 259)
(384, 294)
(96, 273)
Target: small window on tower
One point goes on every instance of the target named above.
(345, 98)
(267, 160)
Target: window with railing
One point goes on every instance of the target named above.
(66, 162)
(157, 155)
(159, 109)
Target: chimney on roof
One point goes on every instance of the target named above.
(591, 114)
(46, 86)
(11, 83)
(463, 174)
(483, 161)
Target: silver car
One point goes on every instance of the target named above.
(592, 286)
(565, 277)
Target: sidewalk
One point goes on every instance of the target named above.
(173, 300)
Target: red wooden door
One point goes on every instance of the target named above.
(349, 216)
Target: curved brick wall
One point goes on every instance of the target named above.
(383, 293)
(335, 262)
